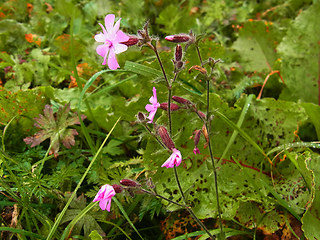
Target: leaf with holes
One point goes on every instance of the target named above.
(257, 44)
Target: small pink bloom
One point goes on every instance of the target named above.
(173, 160)
(112, 39)
(152, 108)
(196, 150)
(104, 195)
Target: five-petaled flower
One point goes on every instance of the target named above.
(111, 39)
(104, 195)
(173, 160)
(152, 108)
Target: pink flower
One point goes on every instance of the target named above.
(173, 160)
(196, 150)
(152, 108)
(111, 39)
(104, 195)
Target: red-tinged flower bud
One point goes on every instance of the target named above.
(163, 133)
(201, 114)
(181, 100)
(129, 183)
(117, 188)
(178, 38)
(173, 106)
(197, 135)
(133, 40)
(178, 53)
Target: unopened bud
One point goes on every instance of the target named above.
(181, 100)
(117, 188)
(150, 184)
(141, 117)
(178, 38)
(163, 133)
(129, 183)
(173, 106)
(197, 135)
(133, 40)
(178, 53)
(201, 114)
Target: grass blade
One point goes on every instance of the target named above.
(126, 216)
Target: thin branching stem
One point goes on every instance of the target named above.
(155, 136)
(190, 209)
(212, 159)
(160, 196)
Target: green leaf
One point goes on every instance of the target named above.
(256, 45)
(142, 69)
(310, 219)
(313, 112)
(94, 235)
(300, 56)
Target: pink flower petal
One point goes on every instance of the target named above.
(115, 29)
(105, 195)
(100, 37)
(109, 21)
(112, 61)
(174, 159)
(103, 29)
(121, 37)
(119, 48)
(102, 50)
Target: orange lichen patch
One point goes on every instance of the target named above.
(84, 71)
(29, 9)
(64, 42)
(33, 38)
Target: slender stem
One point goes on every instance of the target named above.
(155, 136)
(160, 196)
(169, 103)
(161, 65)
(169, 110)
(199, 55)
(189, 209)
(212, 161)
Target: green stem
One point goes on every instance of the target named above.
(189, 209)
(222, 235)
(169, 110)
(160, 196)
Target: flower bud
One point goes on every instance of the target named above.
(181, 100)
(141, 117)
(173, 106)
(178, 38)
(117, 188)
(178, 53)
(201, 114)
(163, 133)
(129, 183)
(133, 40)
(197, 135)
